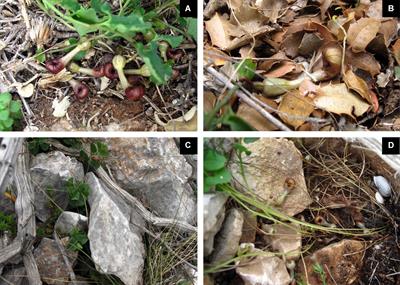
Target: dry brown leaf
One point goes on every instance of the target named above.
(335, 25)
(396, 51)
(294, 108)
(247, 52)
(362, 32)
(324, 7)
(209, 101)
(272, 9)
(217, 27)
(389, 30)
(255, 119)
(296, 32)
(291, 44)
(213, 6)
(357, 84)
(246, 19)
(214, 56)
(282, 69)
(311, 27)
(336, 98)
(310, 43)
(187, 122)
(364, 61)
(307, 87)
(375, 10)
(275, 59)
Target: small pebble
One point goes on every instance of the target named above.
(383, 186)
(379, 198)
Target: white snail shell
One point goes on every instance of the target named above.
(383, 186)
(379, 198)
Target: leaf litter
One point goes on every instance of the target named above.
(338, 58)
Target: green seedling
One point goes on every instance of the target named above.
(7, 223)
(215, 170)
(10, 111)
(318, 269)
(98, 152)
(77, 240)
(38, 145)
(78, 193)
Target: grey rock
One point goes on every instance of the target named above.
(153, 170)
(50, 261)
(274, 172)
(14, 276)
(284, 238)
(50, 173)
(227, 240)
(67, 221)
(214, 215)
(263, 270)
(115, 235)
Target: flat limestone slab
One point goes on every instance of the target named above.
(274, 173)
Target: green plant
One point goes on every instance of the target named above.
(7, 223)
(78, 193)
(228, 118)
(246, 69)
(10, 111)
(318, 269)
(77, 240)
(215, 165)
(98, 152)
(131, 19)
(301, 282)
(215, 170)
(38, 145)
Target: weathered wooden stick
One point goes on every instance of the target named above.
(246, 99)
(9, 150)
(26, 214)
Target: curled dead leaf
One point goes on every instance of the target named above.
(217, 27)
(282, 69)
(214, 56)
(187, 122)
(362, 32)
(336, 98)
(340, 24)
(209, 101)
(305, 37)
(389, 30)
(396, 51)
(254, 118)
(364, 61)
(294, 108)
(271, 9)
(357, 84)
